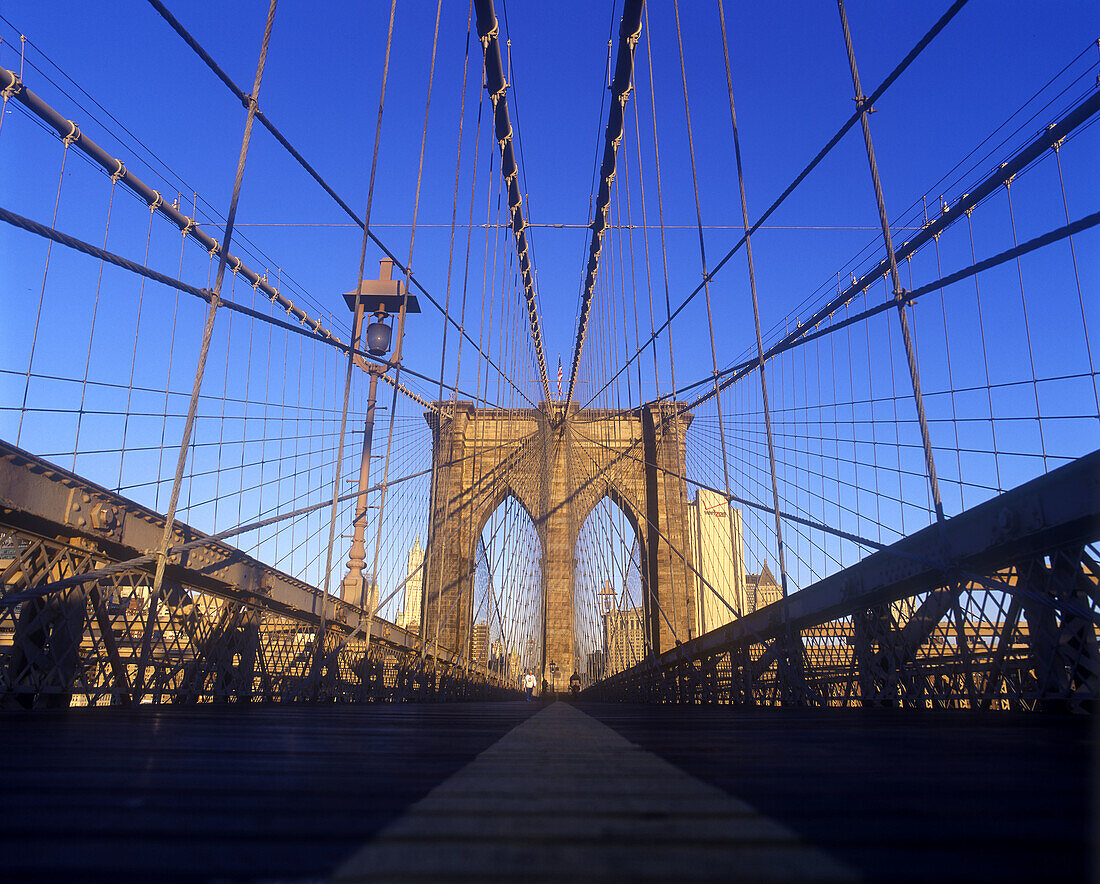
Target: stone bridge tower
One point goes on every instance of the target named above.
(558, 466)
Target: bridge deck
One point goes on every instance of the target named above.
(475, 791)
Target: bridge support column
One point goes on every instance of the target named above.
(558, 466)
(558, 583)
(446, 601)
(669, 578)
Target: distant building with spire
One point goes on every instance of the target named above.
(623, 632)
(762, 589)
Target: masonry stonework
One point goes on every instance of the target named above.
(558, 466)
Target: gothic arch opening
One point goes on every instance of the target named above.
(609, 628)
(506, 610)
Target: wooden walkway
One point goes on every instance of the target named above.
(517, 791)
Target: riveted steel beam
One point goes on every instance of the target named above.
(40, 499)
(1057, 510)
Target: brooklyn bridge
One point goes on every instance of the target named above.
(752, 534)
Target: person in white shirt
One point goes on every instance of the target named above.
(529, 683)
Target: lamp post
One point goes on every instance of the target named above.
(382, 296)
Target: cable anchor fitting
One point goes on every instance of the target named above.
(489, 36)
(73, 136)
(863, 105)
(13, 88)
(118, 174)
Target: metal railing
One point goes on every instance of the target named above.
(998, 608)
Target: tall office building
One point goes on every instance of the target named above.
(716, 543)
(479, 643)
(409, 616)
(624, 638)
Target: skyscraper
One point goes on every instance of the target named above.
(409, 616)
(479, 643)
(716, 538)
(624, 638)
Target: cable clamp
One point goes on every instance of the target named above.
(118, 174)
(863, 105)
(214, 249)
(490, 36)
(238, 267)
(188, 227)
(74, 134)
(157, 202)
(13, 88)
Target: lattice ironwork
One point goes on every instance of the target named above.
(1020, 633)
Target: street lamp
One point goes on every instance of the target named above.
(379, 334)
(383, 296)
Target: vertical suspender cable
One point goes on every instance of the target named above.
(357, 327)
(863, 107)
(204, 350)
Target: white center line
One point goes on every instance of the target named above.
(563, 797)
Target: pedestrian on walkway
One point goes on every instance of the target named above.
(529, 683)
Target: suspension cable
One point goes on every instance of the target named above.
(629, 32)
(917, 49)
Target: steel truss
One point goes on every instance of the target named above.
(226, 628)
(996, 608)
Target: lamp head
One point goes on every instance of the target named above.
(379, 335)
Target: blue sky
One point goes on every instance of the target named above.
(792, 88)
(790, 76)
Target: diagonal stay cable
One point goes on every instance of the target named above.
(188, 226)
(919, 47)
(808, 329)
(174, 23)
(736, 372)
(87, 248)
(1047, 139)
